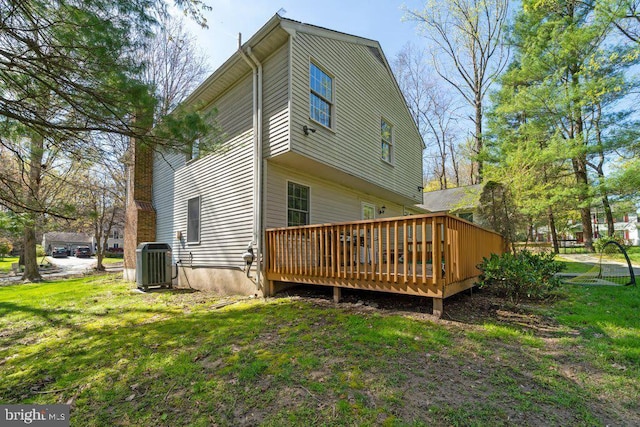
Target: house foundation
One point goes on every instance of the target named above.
(220, 281)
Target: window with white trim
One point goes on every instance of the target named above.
(320, 95)
(297, 204)
(193, 220)
(368, 211)
(386, 139)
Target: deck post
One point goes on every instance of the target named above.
(337, 294)
(269, 289)
(437, 307)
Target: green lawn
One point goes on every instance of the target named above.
(572, 266)
(5, 264)
(633, 253)
(175, 358)
(108, 261)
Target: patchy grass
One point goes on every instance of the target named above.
(121, 357)
(5, 263)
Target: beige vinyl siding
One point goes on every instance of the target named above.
(364, 92)
(164, 165)
(235, 108)
(329, 201)
(224, 182)
(275, 116)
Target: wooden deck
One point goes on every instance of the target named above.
(390, 255)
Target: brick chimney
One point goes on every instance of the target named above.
(140, 216)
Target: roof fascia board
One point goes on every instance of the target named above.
(233, 59)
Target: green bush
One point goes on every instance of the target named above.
(598, 244)
(5, 247)
(39, 251)
(110, 254)
(523, 275)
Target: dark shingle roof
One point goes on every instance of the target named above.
(452, 199)
(68, 237)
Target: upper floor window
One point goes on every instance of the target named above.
(193, 220)
(386, 138)
(297, 204)
(320, 95)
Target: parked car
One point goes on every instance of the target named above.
(83, 252)
(59, 252)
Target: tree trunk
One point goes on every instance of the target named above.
(31, 272)
(580, 161)
(582, 179)
(455, 165)
(478, 138)
(599, 167)
(608, 215)
(553, 231)
(32, 192)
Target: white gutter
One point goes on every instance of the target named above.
(256, 66)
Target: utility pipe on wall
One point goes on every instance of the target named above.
(256, 67)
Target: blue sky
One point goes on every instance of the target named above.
(376, 19)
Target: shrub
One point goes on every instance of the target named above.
(39, 251)
(112, 254)
(524, 274)
(599, 244)
(5, 247)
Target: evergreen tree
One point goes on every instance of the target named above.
(558, 105)
(68, 72)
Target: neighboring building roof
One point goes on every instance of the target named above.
(68, 237)
(452, 199)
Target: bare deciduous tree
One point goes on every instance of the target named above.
(435, 112)
(467, 35)
(174, 66)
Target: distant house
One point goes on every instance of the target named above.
(116, 239)
(70, 241)
(625, 227)
(459, 201)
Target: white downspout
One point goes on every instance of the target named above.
(256, 66)
(258, 169)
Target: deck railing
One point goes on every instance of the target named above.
(419, 254)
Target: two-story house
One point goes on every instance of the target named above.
(316, 131)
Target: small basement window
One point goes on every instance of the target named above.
(193, 220)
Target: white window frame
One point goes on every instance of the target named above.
(390, 142)
(189, 219)
(330, 102)
(308, 187)
(367, 205)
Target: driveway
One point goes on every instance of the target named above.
(72, 265)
